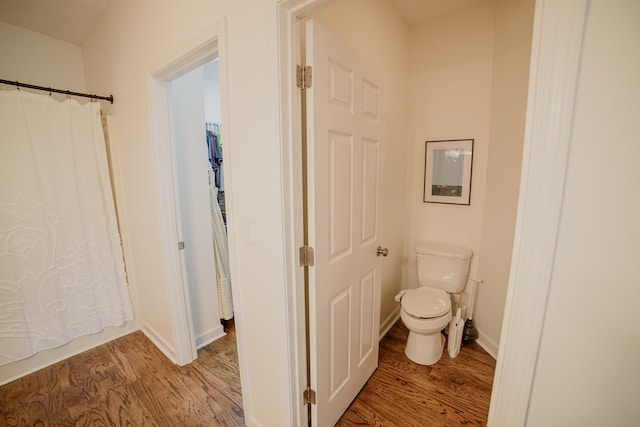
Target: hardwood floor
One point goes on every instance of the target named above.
(402, 393)
(128, 382)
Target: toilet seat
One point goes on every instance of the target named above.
(426, 303)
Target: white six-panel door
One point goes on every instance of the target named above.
(343, 168)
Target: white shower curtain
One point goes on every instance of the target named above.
(61, 265)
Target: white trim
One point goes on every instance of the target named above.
(198, 51)
(283, 19)
(232, 215)
(388, 323)
(487, 345)
(555, 61)
(287, 128)
(253, 422)
(159, 341)
(208, 45)
(210, 336)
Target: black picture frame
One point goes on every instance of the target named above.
(448, 167)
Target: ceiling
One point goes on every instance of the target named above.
(419, 11)
(71, 20)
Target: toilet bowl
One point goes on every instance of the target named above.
(426, 310)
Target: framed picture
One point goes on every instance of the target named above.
(447, 171)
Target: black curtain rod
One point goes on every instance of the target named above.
(48, 89)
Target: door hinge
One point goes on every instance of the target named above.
(304, 77)
(306, 256)
(309, 396)
(180, 246)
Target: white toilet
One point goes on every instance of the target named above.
(425, 311)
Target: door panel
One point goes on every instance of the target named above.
(344, 144)
(340, 85)
(367, 316)
(340, 203)
(340, 339)
(370, 189)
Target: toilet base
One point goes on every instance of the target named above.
(424, 349)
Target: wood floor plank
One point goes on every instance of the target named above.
(129, 382)
(402, 393)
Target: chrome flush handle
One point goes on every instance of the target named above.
(382, 251)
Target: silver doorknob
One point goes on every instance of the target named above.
(382, 251)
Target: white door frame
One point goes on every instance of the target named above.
(205, 47)
(555, 61)
(555, 54)
(198, 53)
(284, 16)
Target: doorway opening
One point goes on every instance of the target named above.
(196, 139)
(291, 14)
(188, 97)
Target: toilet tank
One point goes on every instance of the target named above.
(442, 266)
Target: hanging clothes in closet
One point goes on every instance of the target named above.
(218, 224)
(214, 149)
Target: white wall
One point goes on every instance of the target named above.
(469, 76)
(34, 58)
(587, 371)
(511, 53)
(37, 59)
(450, 79)
(381, 37)
(133, 39)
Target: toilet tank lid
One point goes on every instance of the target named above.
(443, 250)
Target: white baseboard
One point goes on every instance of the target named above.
(488, 345)
(255, 423)
(21, 368)
(166, 348)
(389, 322)
(210, 336)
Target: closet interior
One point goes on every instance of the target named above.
(214, 152)
(195, 104)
